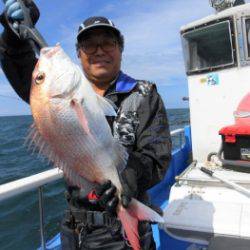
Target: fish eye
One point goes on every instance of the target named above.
(40, 78)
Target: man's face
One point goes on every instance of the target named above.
(100, 56)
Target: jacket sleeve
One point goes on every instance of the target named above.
(17, 57)
(18, 65)
(153, 149)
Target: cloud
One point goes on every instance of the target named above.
(67, 38)
(10, 103)
(152, 39)
(108, 9)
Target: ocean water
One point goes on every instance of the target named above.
(19, 216)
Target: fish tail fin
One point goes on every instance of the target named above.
(130, 217)
(143, 212)
(130, 225)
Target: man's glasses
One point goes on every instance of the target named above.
(90, 46)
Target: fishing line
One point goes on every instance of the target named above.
(10, 97)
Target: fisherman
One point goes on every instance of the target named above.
(90, 222)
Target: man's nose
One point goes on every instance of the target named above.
(99, 50)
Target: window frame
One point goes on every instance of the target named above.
(230, 22)
(245, 39)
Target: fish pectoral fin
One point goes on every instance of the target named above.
(106, 106)
(77, 107)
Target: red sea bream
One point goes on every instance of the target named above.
(71, 130)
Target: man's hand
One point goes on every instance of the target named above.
(15, 13)
(107, 197)
(14, 10)
(103, 197)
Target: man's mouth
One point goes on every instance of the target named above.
(101, 63)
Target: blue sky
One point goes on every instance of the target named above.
(152, 40)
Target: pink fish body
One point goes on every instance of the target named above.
(71, 130)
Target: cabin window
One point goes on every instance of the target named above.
(208, 47)
(248, 37)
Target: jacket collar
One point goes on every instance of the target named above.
(124, 83)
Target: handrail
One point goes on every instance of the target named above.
(19, 186)
(176, 131)
(32, 182)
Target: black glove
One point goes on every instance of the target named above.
(107, 197)
(8, 35)
(103, 197)
(129, 178)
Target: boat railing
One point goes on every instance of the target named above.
(37, 181)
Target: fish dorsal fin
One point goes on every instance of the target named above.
(106, 106)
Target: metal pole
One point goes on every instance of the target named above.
(41, 215)
(180, 139)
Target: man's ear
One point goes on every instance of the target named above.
(78, 50)
(78, 53)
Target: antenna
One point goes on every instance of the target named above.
(220, 5)
(10, 97)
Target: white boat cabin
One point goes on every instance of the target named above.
(202, 210)
(217, 60)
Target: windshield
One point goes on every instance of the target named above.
(208, 47)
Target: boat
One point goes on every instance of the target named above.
(209, 205)
(200, 211)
